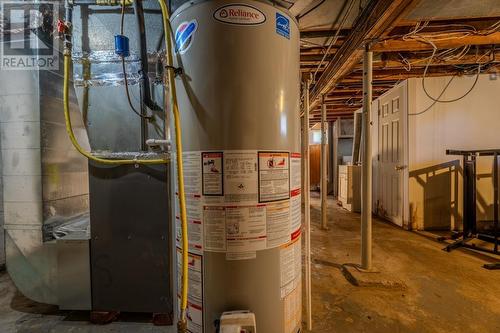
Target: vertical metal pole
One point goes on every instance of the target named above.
(366, 182)
(307, 208)
(324, 166)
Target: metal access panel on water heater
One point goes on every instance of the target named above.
(130, 238)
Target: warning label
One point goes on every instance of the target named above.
(293, 310)
(290, 267)
(278, 223)
(274, 176)
(214, 219)
(195, 291)
(195, 224)
(240, 201)
(246, 228)
(213, 179)
(240, 177)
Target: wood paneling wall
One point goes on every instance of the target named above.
(315, 164)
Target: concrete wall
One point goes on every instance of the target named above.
(435, 179)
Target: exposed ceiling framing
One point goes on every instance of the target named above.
(405, 44)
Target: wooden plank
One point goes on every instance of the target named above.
(323, 33)
(376, 20)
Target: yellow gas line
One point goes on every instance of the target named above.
(182, 324)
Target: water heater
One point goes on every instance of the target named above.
(239, 100)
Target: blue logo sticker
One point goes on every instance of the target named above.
(282, 25)
(184, 36)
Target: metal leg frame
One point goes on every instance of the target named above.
(469, 210)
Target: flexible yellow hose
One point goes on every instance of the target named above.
(180, 169)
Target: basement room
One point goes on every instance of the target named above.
(250, 166)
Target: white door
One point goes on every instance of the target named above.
(391, 155)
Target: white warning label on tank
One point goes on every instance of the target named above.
(295, 194)
(195, 290)
(274, 176)
(240, 177)
(240, 201)
(194, 316)
(290, 266)
(192, 174)
(241, 255)
(214, 221)
(195, 224)
(246, 228)
(213, 178)
(292, 310)
(278, 223)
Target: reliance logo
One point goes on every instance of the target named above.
(240, 15)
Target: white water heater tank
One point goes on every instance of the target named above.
(239, 103)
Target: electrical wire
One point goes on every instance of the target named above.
(335, 38)
(435, 101)
(125, 79)
(430, 38)
(438, 100)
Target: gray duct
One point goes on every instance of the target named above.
(45, 180)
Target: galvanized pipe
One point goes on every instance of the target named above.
(307, 206)
(366, 181)
(324, 165)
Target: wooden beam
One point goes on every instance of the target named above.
(323, 33)
(394, 75)
(398, 45)
(395, 60)
(376, 20)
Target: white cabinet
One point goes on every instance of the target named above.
(350, 187)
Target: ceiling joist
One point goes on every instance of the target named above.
(373, 22)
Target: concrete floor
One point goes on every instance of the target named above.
(420, 288)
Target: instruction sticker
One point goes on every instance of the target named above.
(295, 194)
(274, 176)
(213, 170)
(282, 25)
(194, 316)
(290, 267)
(240, 177)
(278, 223)
(195, 292)
(241, 255)
(239, 202)
(292, 310)
(214, 218)
(246, 228)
